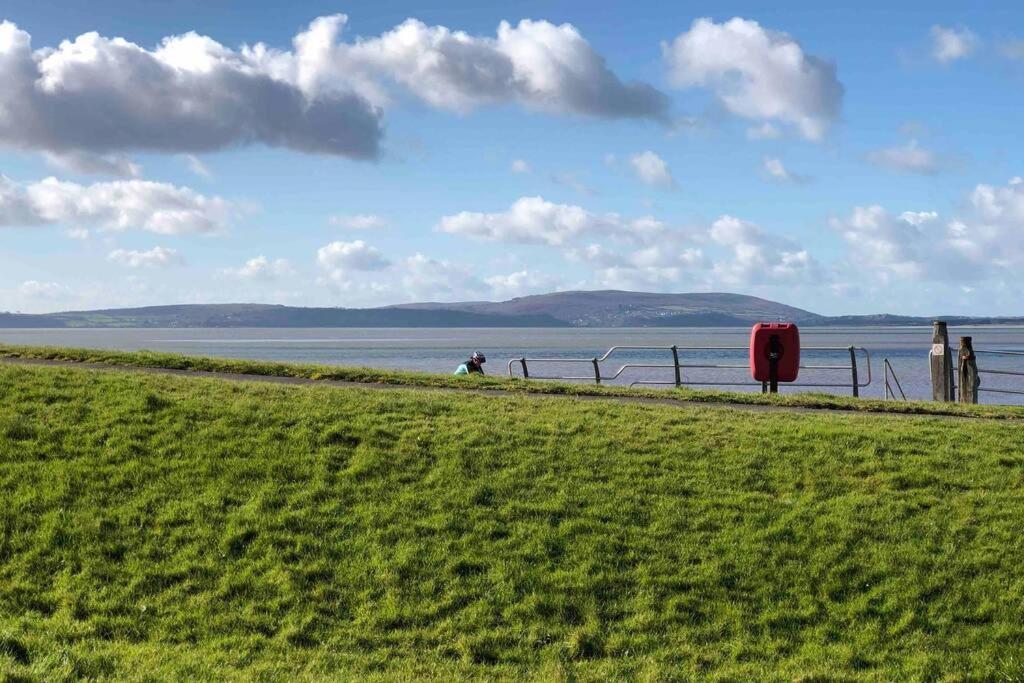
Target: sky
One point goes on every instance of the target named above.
(845, 160)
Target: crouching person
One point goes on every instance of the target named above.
(473, 365)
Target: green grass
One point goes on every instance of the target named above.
(497, 382)
(160, 527)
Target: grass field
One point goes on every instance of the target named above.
(158, 527)
(495, 381)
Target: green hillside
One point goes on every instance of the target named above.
(158, 527)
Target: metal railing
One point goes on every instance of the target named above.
(855, 384)
(993, 371)
(888, 373)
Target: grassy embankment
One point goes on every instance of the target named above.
(496, 381)
(169, 527)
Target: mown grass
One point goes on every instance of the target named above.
(497, 382)
(161, 527)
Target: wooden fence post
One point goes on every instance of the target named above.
(941, 363)
(969, 381)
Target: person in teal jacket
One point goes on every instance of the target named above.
(473, 365)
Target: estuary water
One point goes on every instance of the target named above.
(442, 349)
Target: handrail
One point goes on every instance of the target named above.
(855, 384)
(993, 371)
(889, 372)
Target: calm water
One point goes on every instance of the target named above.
(441, 350)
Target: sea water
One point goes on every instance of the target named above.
(442, 349)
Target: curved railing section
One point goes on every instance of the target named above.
(859, 358)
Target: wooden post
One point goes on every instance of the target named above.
(940, 362)
(526, 373)
(597, 372)
(968, 372)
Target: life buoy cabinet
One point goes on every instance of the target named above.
(774, 352)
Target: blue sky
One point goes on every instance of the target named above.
(841, 160)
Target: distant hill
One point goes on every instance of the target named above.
(607, 308)
(613, 308)
(260, 315)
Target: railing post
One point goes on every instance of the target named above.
(526, 373)
(853, 372)
(940, 362)
(969, 380)
(675, 362)
(597, 372)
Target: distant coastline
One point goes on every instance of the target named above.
(608, 308)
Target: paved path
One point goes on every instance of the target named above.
(380, 386)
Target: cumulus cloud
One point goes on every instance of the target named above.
(652, 170)
(777, 171)
(951, 44)
(413, 278)
(889, 246)
(909, 158)
(97, 96)
(260, 268)
(34, 289)
(117, 205)
(91, 99)
(530, 220)
(986, 241)
(521, 283)
(160, 257)
(360, 221)
(520, 166)
(338, 259)
(759, 257)
(757, 73)
(535, 63)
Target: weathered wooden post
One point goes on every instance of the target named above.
(967, 365)
(941, 363)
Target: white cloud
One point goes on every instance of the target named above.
(765, 131)
(117, 205)
(644, 250)
(161, 257)
(757, 74)
(97, 95)
(777, 171)
(362, 221)
(951, 44)
(530, 220)
(652, 170)
(986, 242)
(521, 283)
(520, 166)
(260, 268)
(338, 259)
(910, 158)
(759, 257)
(414, 278)
(80, 234)
(83, 163)
(34, 289)
(534, 63)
